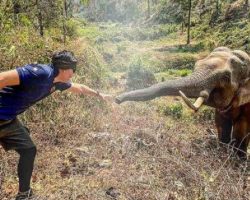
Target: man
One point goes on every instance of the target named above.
(21, 88)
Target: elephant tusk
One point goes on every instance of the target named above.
(198, 103)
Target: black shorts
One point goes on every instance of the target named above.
(13, 135)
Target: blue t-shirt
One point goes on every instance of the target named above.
(36, 83)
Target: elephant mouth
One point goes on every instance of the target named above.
(199, 101)
(204, 96)
(196, 106)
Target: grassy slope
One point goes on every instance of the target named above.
(130, 151)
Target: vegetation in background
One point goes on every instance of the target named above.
(138, 76)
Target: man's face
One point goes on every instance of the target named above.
(65, 74)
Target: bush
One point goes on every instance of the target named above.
(71, 27)
(138, 76)
(92, 70)
(178, 73)
(23, 46)
(205, 114)
(174, 110)
(180, 61)
(119, 67)
(121, 48)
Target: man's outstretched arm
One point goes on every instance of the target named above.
(85, 90)
(9, 78)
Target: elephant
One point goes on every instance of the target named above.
(222, 81)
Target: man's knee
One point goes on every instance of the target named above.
(29, 152)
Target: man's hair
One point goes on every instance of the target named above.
(64, 60)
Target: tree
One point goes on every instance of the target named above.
(247, 4)
(148, 9)
(40, 18)
(16, 10)
(189, 21)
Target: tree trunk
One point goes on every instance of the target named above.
(217, 7)
(148, 9)
(16, 10)
(40, 19)
(92, 10)
(64, 20)
(65, 8)
(189, 21)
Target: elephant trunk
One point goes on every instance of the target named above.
(192, 86)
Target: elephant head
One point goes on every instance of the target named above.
(214, 82)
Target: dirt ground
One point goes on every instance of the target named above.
(135, 154)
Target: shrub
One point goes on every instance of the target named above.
(121, 48)
(138, 76)
(71, 28)
(174, 110)
(205, 114)
(178, 73)
(181, 61)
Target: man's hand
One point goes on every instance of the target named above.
(106, 97)
(85, 90)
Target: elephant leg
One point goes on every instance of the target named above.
(224, 127)
(240, 134)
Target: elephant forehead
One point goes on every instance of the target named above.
(212, 63)
(220, 54)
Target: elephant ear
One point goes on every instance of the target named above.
(243, 56)
(241, 64)
(243, 94)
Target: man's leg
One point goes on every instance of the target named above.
(25, 167)
(16, 136)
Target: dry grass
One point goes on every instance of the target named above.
(133, 153)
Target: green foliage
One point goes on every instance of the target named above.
(24, 20)
(170, 12)
(179, 73)
(174, 110)
(139, 76)
(172, 73)
(180, 61)
(85, 2)
(21, 47)
(119, 67)
(105, 10)
(152, 33)
(205, 114)
(117, 33)
(193, 48)
(90, 31)
(71, 27)
(92, 70)
(231, 34)
(120, 48)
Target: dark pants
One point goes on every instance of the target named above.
(15, 136)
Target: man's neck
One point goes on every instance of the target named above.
(57, 79)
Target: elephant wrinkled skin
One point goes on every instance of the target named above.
(222, 81)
